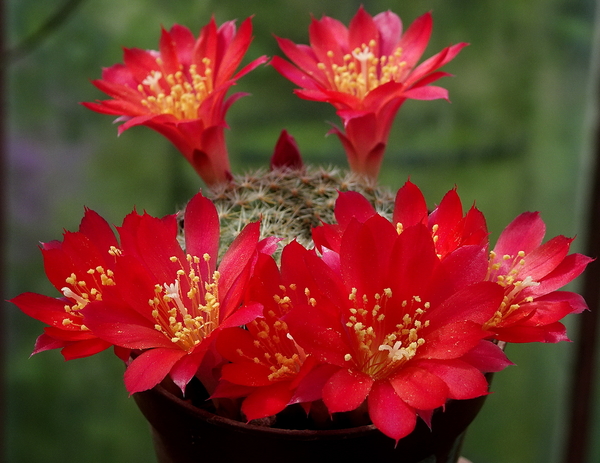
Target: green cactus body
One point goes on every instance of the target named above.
(290, 202)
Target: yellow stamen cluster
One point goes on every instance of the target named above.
(186, 318)
(179, 94)
(280, 352)
(82, 292)
(379, 347)
(513, 284)
(362, 71)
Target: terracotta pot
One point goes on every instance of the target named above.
(185, 433)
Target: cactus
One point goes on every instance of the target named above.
(290, 202)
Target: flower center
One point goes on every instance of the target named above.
(279, 351)
(187, 310)
(380, 344)
(89, 289)
(179, 94)
(505, 271)
(361, 71)
(282, 354)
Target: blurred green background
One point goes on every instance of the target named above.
(515, 137)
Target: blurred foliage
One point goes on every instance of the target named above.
(511, 140)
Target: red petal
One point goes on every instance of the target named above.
(202, 231)
(118, 74)
(292, 73)
(45, 342)
(346, 390)
(525, 233)
(235, 267)
(424, 73)
(243, 315)
(362, 30)
(410, 207)
(412, 262)
(328, 35)
(451, 340)
(237, 344)
(206, 45)
(184, 43)
(554, 332)
(119, 325)
(153, 242)
(545, 258)
(246, 374)
(570, 268)
(389, 413)
(547, 311)
(318, 333)
(234, 51)
(464, 381)
(150, 368)
(487, 357)
(419, 388)
(464, 266)
(251, 66)
(352, 205)
(447, 216)
(140, 62)
(415, 40)
(84, 348)
(575, 300)
(185, 369)
(266, 401)
(98, 230)
(477, 303)
(390, 31)
(168, 53)
(45, 309)
(310, 387)
(427, 93)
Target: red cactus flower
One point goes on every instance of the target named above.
(449, 227)
(530, 273)
(268, 367)
(366, 71)
(169, 303)
(401, 326)
(180, 91)
(80, 267)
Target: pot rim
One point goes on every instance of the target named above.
(253, 428)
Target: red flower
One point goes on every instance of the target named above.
(180, 91)
(170, 303)
(268, 367)
(449, 228)
(530, 273)
(80, 267)
(401, 326)
(366, 72)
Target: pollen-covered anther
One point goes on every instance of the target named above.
(434, 233)
(186, 91)
(397, 352)
(114, 251)
(361, 70)
(186, 317)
